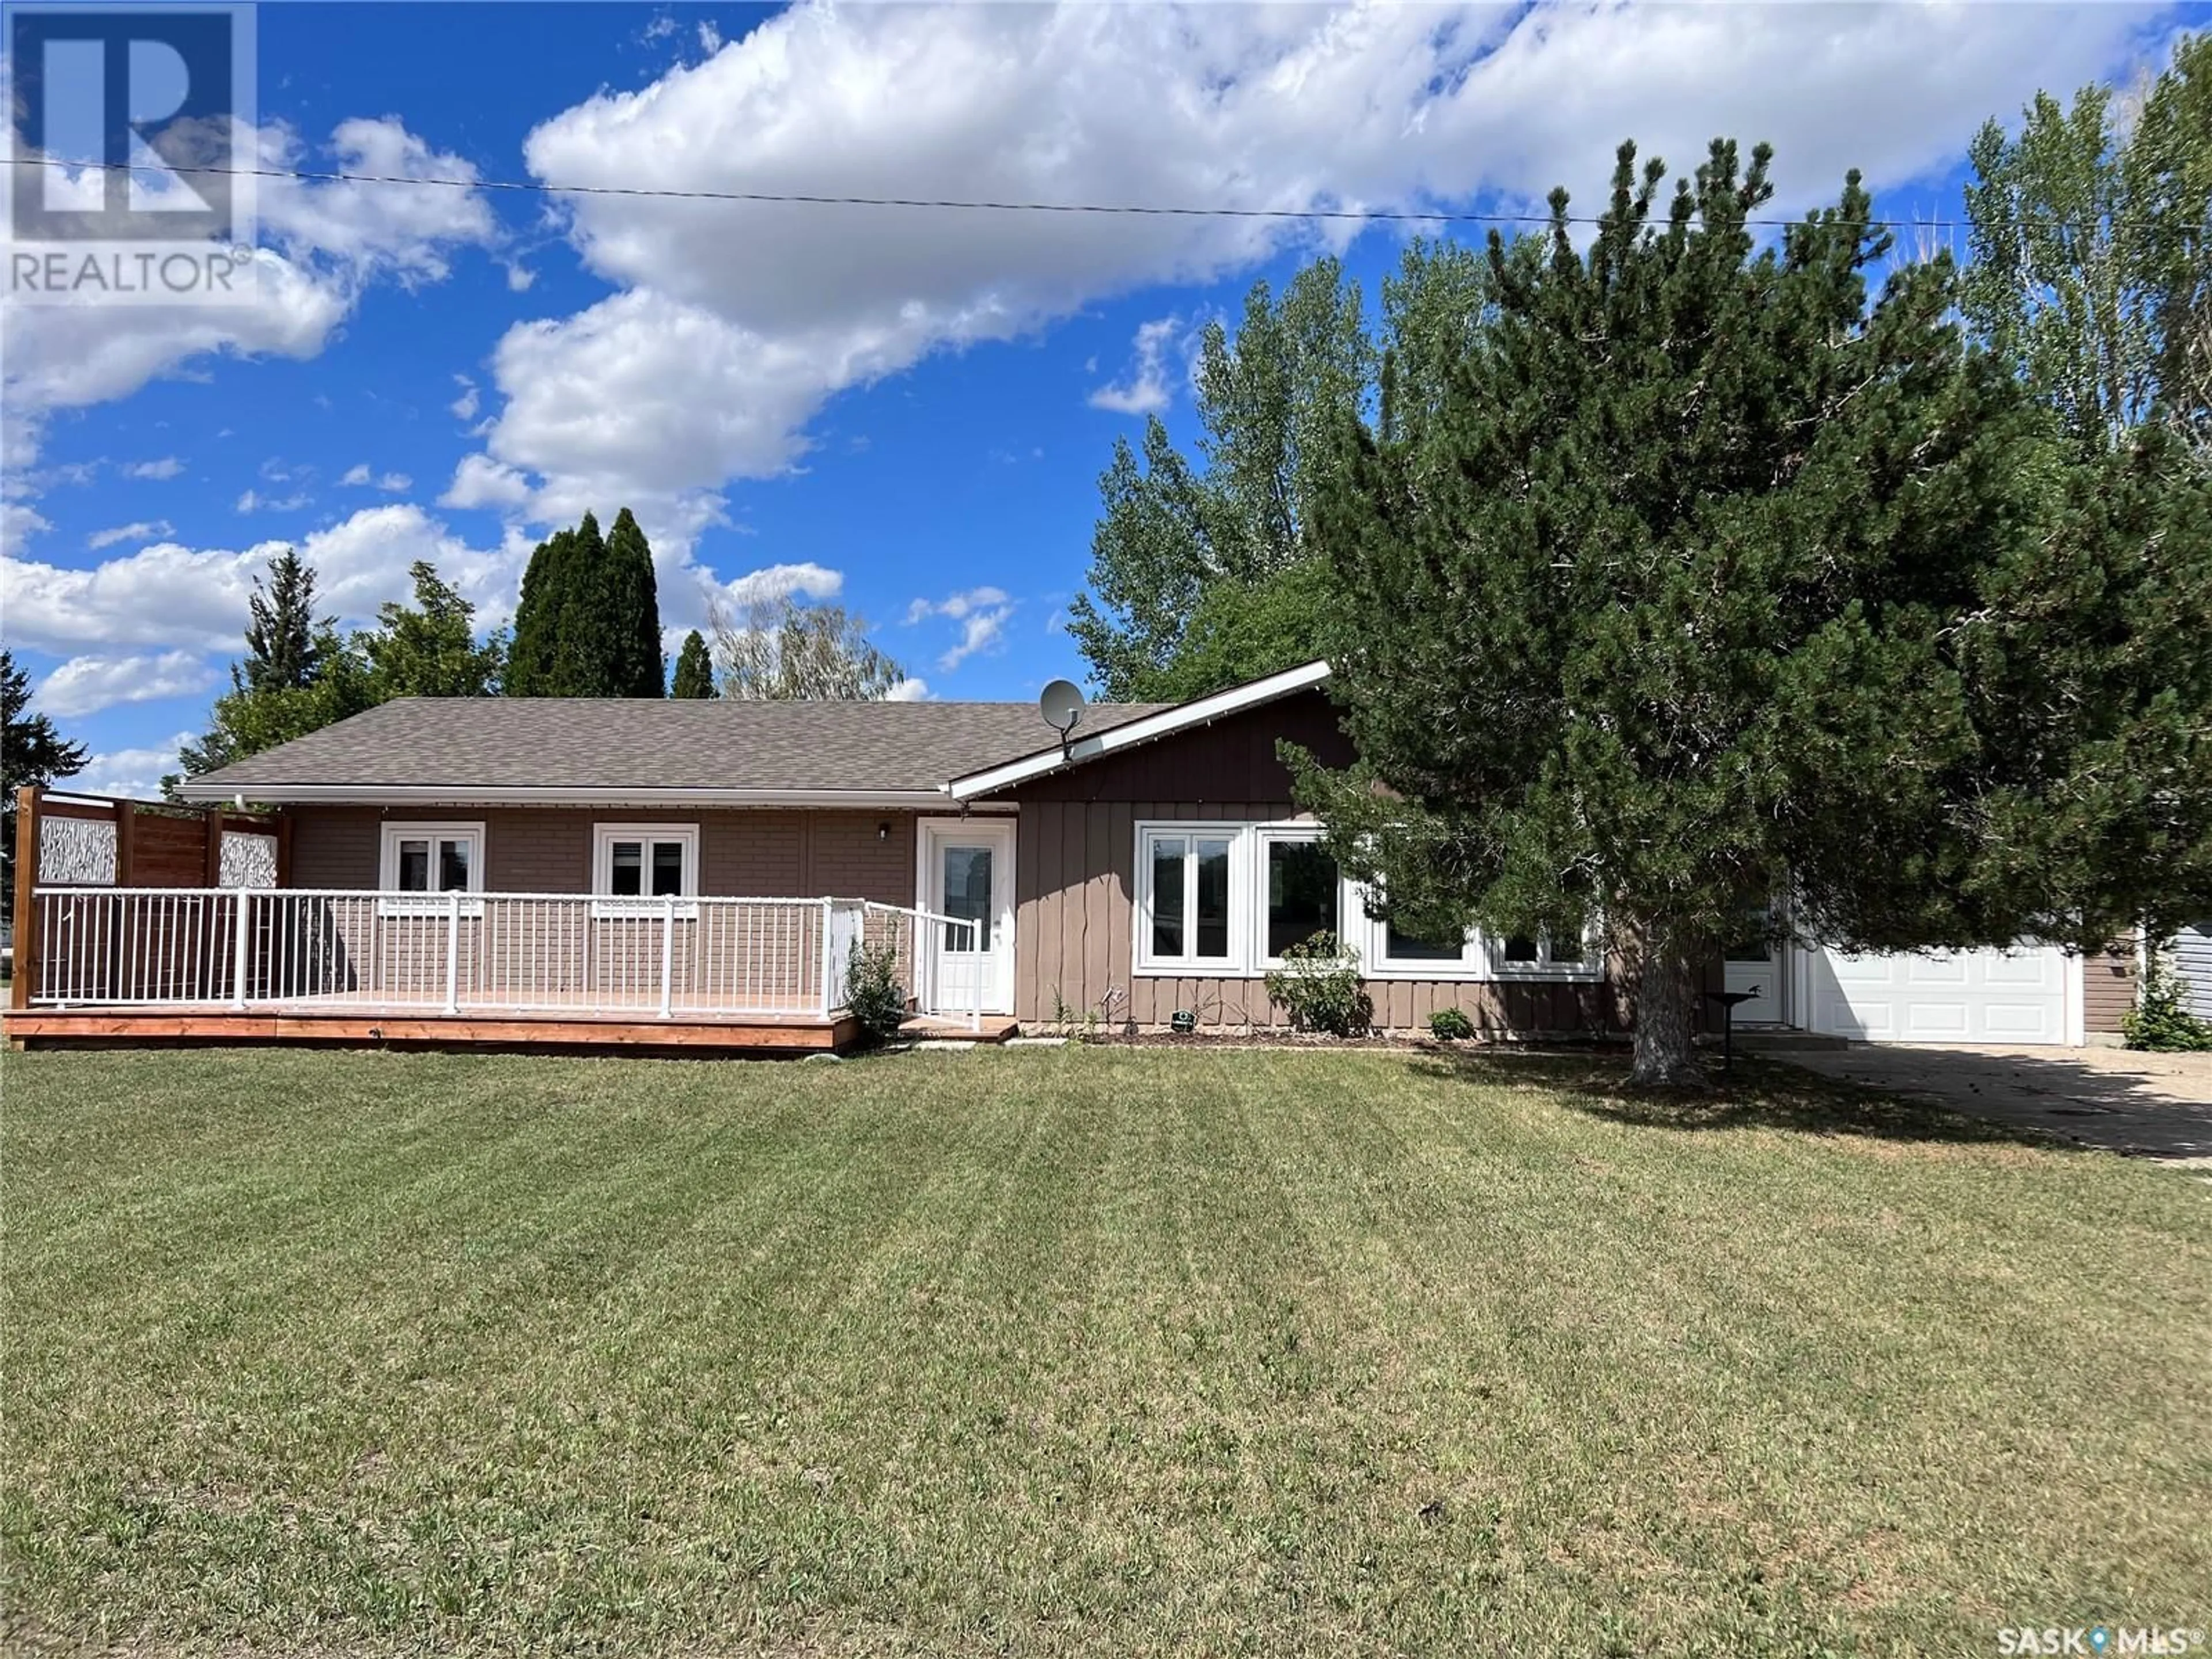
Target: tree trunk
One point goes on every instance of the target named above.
(1664, 980)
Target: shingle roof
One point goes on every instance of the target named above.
(622, 744)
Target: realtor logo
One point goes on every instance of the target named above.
(127, 120)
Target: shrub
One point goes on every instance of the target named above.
(2160, 1021)
(873, 994)
(1450, 1025)
(1319, 984)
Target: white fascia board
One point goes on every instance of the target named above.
(1168, 721)
(447, 794)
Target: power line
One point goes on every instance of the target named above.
(539, 187)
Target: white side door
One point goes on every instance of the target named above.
(967, 871)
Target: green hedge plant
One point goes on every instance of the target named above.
(1318, 985)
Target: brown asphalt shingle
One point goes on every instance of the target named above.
(591, 743)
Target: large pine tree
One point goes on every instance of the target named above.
(1703, 583)
(695, 669)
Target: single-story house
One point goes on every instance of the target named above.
(1151, 864)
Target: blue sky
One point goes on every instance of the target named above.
(906, 409)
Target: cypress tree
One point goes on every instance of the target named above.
(695, 670)
(634, 665)
(537, 618)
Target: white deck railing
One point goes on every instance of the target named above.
(452, 953)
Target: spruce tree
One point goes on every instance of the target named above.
(31, 751)
(1703, 584)
(588, 621)
(285, 642)
(695, 669)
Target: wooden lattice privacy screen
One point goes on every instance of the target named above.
(96, 841)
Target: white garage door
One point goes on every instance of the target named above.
(1969, 996)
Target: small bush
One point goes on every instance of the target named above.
(1319, 984)
(873, 994)
(2160, 1021)
(1450, 1025)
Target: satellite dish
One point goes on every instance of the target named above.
(1061, 705)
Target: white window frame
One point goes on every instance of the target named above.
(1237, 964)
(1349, 916)
(1481, 958)
(433, 903)
(605, 902)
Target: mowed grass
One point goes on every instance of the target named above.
(1078, 1351)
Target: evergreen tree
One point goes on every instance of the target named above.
(695, 669)
(429, 649)
(545, 582)
(285, 642)
(30, 752)
(588, 621)
(297, 676)
(635, 663)
(1701, 583)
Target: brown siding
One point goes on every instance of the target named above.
(2108, 990)
(760, 853)
(1233, 759)
(1075, 904)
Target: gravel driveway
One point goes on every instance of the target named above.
(2148, 1105)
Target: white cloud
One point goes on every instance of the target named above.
(479, 481)
(180, 597)
(359, 477)
(782, 582)
(710, 36)
(730, 330)
(1145, 389)
(252, 501)
(323, 244)
(908, 689)
(145, 530)
(168, 467)
(983, 630)
(19, 522)
(85, 685)
(464, 407)
(133, 773)
(954, 605)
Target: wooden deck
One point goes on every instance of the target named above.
(359, 1027)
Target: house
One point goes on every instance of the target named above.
(714, 863)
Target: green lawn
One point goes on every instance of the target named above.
(1081, 1350)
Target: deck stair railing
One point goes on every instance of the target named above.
(453, 953)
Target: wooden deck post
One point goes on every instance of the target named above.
(212, 868)
(126, 836)
(20, 988)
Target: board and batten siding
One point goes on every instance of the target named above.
(2108, 990)
(2192, 960)
(747, 852)
(1075, 888)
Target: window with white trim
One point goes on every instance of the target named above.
(1226, 899)
(633, 865)
(1190, 916)
(429, 859)
(1300, 892)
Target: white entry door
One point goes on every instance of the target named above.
(1754, 972)
(967, 871)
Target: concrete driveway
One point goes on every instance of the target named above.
(2147, 1105)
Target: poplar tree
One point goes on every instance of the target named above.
(1703, 583)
